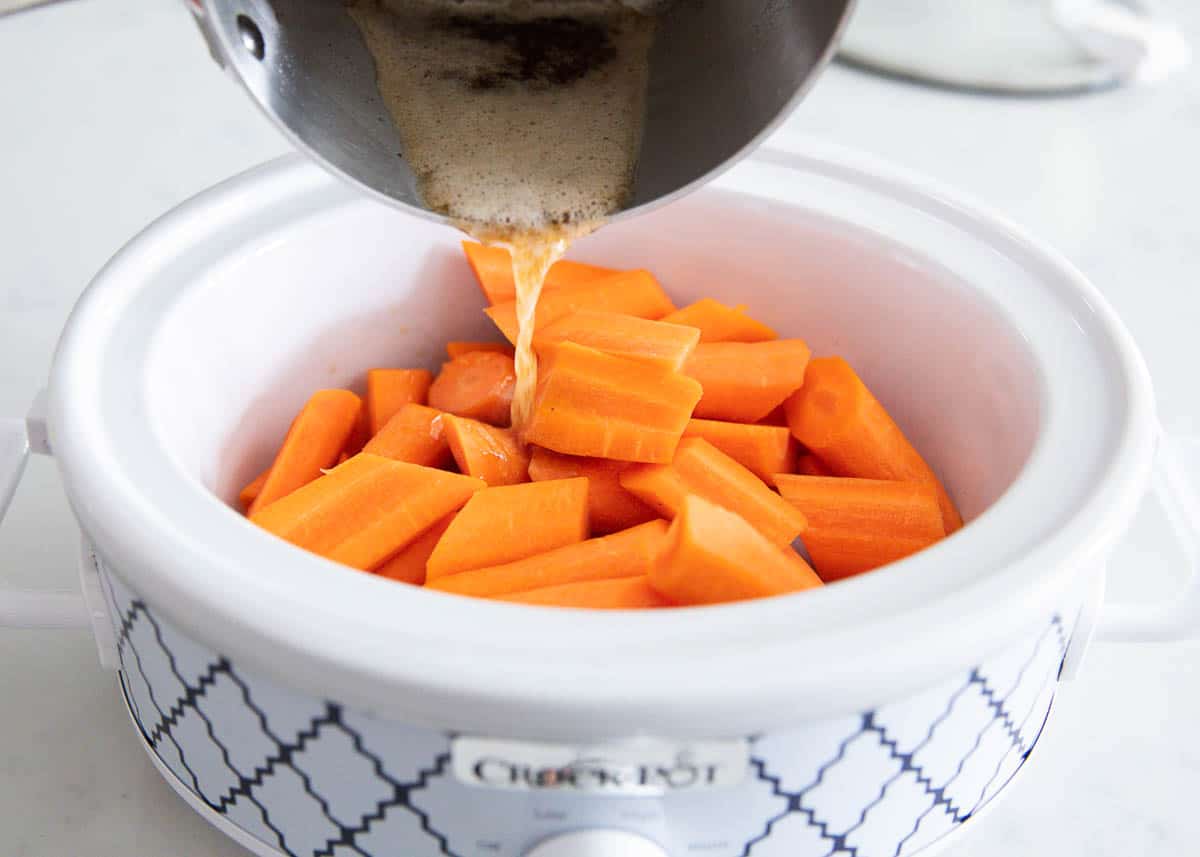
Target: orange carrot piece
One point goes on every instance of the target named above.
(493, 269)
(388, 390)
(714, 555)
(664, 346)
(313, 443)
(246, 495)
(610, 507)
(489, 453)
(458, 349)
(835, 416)
(408, 566)
(720, 323)
(629, 553)
(594, 404)
(702, 469)
(511, 522)
(764, 450)
(416, 434)
(623, 593)
(745, 381)
(634, 293)
(363, 512)
(838, 553)
(479, 385)
(808, 464)
(777, 417)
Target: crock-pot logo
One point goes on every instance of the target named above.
(641, 767)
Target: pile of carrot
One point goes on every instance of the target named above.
(673, 457)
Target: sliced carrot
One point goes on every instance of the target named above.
(839, 553)
(408, 566)
(714, 555)
(700, 468)
(664, 346)
(479, 385)
(808, 464)
(629, 553)
(493, 270)
(512, 522)
(489, 453)
(764, 450)
(363, 512)
(629, 593)
(634, 293)
(594, 404)
(777, 417)
(313, 443)
(720, 323)
(458, 349)
(745, 381)
(835, 416)
(388, 390)
(610, 507)
(416, 434)
(246, 495)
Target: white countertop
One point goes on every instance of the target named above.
(113, 113)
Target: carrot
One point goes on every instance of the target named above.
(610, 507)
(489, 453)
(777, 417)
(512, 522)
(363, 512)
(720, 323)
(479, 385)
(493, 269)
(714, 555)
(702, 469)
(416, 434)
(835, 416)
(629, 553)
(312, 444)
(634, 293)
(628, 593)
(808, 464)
(664, 346)
(390, 389)
(745, 381)
(246, 495)
(408, 566)
(594, 404)
(764, 450)
(458, 349)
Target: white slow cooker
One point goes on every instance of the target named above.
(308, 709)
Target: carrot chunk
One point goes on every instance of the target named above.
(493, 269)
(312, 444)
(808, 464)
(664, 346)
(610, 507)
(253, 487)
(458, 349)
(363, 512)
(512, 522)
(720, 323)
(479, 385)
(408, 566)
(594, 404)
(714, 555)
(702, 469)
(628, 593)
(416, 434)
(764, 450)
(835, 416)
(629, 553)
(634, 293)
(489, 453)
(745, 381)
(388, 390)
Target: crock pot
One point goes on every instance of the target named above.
(308, 709)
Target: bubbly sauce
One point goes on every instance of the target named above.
(521, 120)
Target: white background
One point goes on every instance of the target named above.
(111, 112)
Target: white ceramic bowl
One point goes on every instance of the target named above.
(308, 705)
